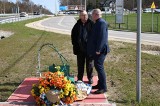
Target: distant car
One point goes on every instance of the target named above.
(74, 12)
(36, 13)
(23, 14)
(60, 12)
(157, 10)
(71, 12)
(89, 12)
(147, 10)
(135, 10)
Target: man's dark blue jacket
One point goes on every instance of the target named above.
(98, 41)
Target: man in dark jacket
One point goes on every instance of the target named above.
(79, 36)
(97, 46)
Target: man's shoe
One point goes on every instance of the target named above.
(100, 91)
(90, 81)
(95, 87)
(78, 81)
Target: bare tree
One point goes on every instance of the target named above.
(24, 5)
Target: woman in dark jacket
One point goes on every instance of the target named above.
(79, 37)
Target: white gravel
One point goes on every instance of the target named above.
(5, 34)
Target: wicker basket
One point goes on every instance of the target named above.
(53, 96)
(81, 95)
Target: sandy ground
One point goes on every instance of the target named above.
(4, 34)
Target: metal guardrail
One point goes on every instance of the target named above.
(5, 15)
(15, 18)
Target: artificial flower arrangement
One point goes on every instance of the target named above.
(54, 82)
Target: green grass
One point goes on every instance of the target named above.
(130, 22)
(122, 71)
(19, 54)
(18, 59)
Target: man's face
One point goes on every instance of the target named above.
(94, 16)
(83, 16)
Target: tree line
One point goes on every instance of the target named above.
(23, 6)
(128, 4)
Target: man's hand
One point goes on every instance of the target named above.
(97, 53)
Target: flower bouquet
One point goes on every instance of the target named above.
(54, 88)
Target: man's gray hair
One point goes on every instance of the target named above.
(97, 11)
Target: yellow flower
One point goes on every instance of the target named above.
(61, 95)
(65, 79)
(39, 86)
(71, 89)
(66, 93)
(68, 85)
(47, 89)
(32, 90)
(33, 85)
(32, 94)
(58, 68)
(41, 90)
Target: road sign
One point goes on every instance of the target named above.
(76, 8)
(119, 11)
(62, 8)
(153, 6)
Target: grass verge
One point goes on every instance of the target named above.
(130, 22)
(18, 59)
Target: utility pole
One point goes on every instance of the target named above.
(56, 7)
(96, 3)
(4, 7)
(17, 1)
(81, 4)
(32, 7)
(138, 60)
(133, 4)
(85, 5)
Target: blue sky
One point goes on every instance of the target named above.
(49, 4)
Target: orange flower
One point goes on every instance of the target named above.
(55, 80)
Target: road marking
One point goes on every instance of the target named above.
(60, 22)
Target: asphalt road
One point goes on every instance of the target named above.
(63, 23)
(66, 23)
